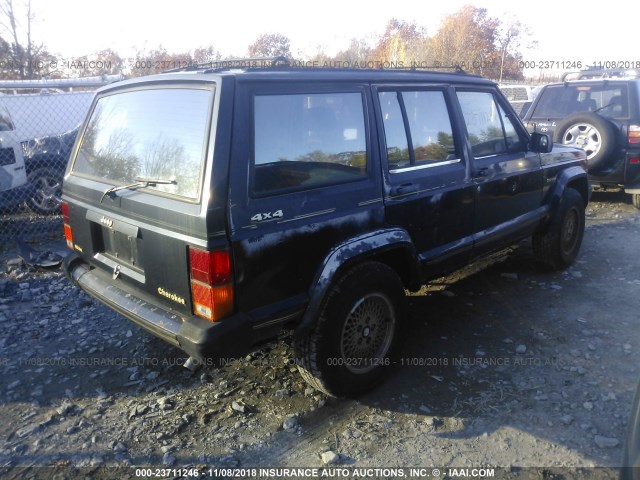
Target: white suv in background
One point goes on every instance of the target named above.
(13, 174)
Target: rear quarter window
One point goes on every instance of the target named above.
(308, 140)
(157, 133)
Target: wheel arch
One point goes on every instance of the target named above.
(572, 177)
(392, 247)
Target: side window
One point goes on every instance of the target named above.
(394, 132)
(491, 131)
(417, 128)
(430, 126)
(514, 142)
(308, 140)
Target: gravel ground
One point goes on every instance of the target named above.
(508, 367)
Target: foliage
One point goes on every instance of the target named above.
(270, 45)
(22, 58)
(469, 38)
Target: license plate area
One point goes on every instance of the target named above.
(118, 245)
(121, 247)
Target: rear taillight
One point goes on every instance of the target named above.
(634, 134)
(67, 227)
(211, 283)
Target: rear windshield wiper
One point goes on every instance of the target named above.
(140, 182)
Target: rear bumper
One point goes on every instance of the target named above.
(208, 342)
(623, 173)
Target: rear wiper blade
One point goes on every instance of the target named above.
(140, 182)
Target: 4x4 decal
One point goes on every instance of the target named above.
(260, 217)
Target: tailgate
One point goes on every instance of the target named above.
(134, 189)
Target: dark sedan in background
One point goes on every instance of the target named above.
(45, 161)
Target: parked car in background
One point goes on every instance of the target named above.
(520, 96)
(45, 161)
(13, 175)
(601, 116)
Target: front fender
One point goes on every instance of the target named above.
(572, 177)
(369, 246)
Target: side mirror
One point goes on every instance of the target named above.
(541, 143)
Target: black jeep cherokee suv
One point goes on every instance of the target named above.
(217, 207)
(601, 116)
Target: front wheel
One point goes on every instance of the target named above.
(558, 245)
(350, 349)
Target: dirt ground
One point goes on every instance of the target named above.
(509, 367)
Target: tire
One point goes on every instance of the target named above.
(589, 131)
(352, 345)
(47, 195)
(635, 198)
(558, 245)
(631, 450)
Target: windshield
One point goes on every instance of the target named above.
(152, 133)
(608, 99)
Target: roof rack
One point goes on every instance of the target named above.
(282, 62)
(456, 68)
(250, 62)
(600, 73)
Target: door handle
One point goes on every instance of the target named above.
(482, 172)
(404, 189)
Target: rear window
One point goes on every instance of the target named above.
(608, 99)
(152, 134)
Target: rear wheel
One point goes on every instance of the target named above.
(635, 198)
(350, 349)
(557, 247)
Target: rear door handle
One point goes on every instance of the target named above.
(404, 189)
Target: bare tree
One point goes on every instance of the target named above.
(511, 37)
(27, 58)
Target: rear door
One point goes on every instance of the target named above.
(427, 186)
(302, 179)
(139, 235)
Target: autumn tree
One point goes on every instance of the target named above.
(158, 60)
(402, 43)
(466, 38)
(206, 54)
(479, 44)
(270, 45)
(357, 53)
(104, 62)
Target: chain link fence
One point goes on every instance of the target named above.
(39, 120)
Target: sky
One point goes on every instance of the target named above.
(566, 32)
